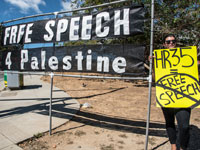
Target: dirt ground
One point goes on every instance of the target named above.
(115, 120)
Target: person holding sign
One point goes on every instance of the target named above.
(182, 115)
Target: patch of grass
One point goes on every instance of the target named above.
(152, 141)
(121, 142)
(111, 139)
(108, 147)
(70, 142)
(96, 132)
(197, 119)
(120, 147)
(36, 145)
(140, 142)
(60, 133)
(70, 133)
(79, 133)
(138, 135)
(38, 135)
(123, 136)
(79, 146)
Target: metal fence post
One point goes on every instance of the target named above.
(50, 104)
(150, 75)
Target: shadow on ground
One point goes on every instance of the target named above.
(98, 120)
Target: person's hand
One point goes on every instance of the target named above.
(151, 57)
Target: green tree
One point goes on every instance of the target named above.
(180, 18)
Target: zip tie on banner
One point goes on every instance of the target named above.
(51, 74)
(55, 13)
(149, 78)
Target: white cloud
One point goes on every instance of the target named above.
(26, 5)
(66, 6)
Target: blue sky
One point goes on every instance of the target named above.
(12, 9)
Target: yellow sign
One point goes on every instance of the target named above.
(176, 77)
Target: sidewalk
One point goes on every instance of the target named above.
(25, 113)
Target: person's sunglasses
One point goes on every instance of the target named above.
(169, 41)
